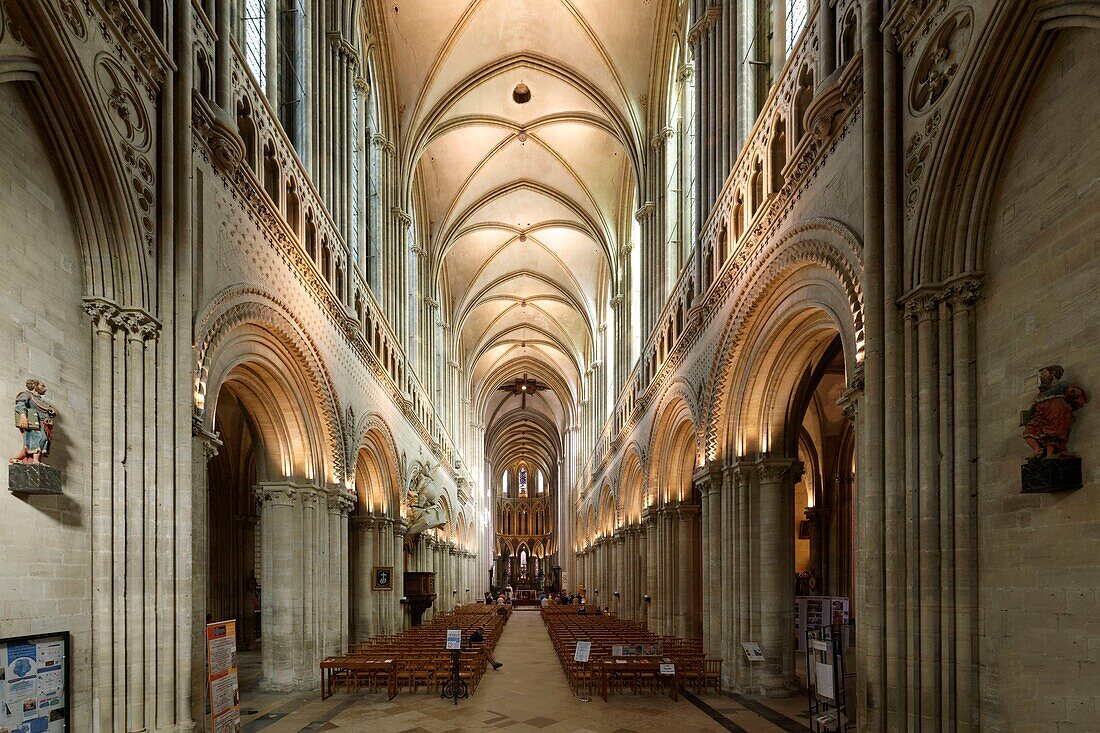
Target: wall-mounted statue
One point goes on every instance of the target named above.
(1051, 415)
(422, 497)
(1052, 467)
(34, 417)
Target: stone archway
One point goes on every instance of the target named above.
(376, 546)
(278, 472)
(674, 536)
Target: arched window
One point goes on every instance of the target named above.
(540, 481)
(247, 129)
(797, 13)
(522, 481)
(255, 39)
(778, 154)
(504, 483)
(271, 173)
(293, 206)
(802, 100)
(848, 37)
(756, 187)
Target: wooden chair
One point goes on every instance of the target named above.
(712, 674)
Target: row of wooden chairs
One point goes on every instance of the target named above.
(566, 627)
(421, 659)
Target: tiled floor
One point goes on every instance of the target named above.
(528, 693)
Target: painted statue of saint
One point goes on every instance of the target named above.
(1051, 415)
(34, 418)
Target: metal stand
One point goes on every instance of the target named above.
(455, 687)
(587, 683)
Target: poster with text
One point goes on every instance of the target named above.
(221, 665)
(33, 683)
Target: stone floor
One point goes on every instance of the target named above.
(528, 693)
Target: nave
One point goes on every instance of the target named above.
(529, 693)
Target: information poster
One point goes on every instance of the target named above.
(454, 639)
(752, 651)
(221, 663)
(583, 651)
(33, 684)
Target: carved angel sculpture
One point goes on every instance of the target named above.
(423, 499)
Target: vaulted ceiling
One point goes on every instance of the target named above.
(527, 201)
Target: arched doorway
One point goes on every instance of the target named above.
(674, 536)
(274, 526)
(377, 557)
(789, 489)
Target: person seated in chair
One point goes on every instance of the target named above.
(478, 638)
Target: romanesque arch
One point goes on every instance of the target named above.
(238, 318)
(813, 265)
(632, 485)
(375, 471)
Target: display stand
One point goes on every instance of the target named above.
(455, 687)
(581, 654)
(826, 671)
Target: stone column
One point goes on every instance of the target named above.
(649, 518)
(397, 611)
(826, 34)
(776, 589)
(452, 576)
(709, 565)
(286, 565)
(364, 625)
(688, 624)
(668, 550)
(340, 506)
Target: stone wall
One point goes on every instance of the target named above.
(45, 540)
(1038, 567)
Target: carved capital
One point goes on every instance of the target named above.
(773, 472)
(104, 314)
(964, 292)
(647, 210)
(402, 217)
(661, 138)
(922, 304)
(341, 503)
(382, 143)
(138, 325)
(279, 494)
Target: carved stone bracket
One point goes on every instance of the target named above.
(707, 20)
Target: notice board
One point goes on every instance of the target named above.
(221, 664)
(34, 683)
